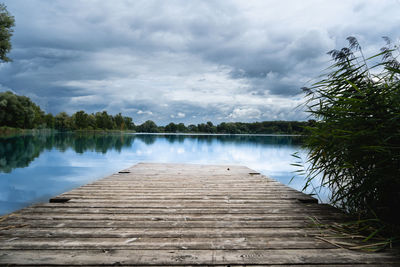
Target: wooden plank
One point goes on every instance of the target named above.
(186, 197)
(157, 232)
(91, 223)
(236, 265)
(169, 202)
(204, 243)
(193, 257)
(172, 217)
(177, 195)
(180, 196)
(188, 204)
(211, 210)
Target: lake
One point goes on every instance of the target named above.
(35, 167)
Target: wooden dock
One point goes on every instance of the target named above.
(176, 214)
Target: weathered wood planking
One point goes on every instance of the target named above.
(175, 214)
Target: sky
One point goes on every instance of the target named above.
(184, 61)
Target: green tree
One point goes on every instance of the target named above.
(7, 23)
(91, 122)
(19, 112)
(181, 128)
(104, 121)
(171, 128)
(119, 122)
(192, 128)
(38, 119)
(148, 126)
(210, 128)
(63, 122)
(129, 123)
(81, 119)
(49, 120)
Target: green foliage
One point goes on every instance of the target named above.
(192, 128)
(81, 119)
(19, 112)
(128, 123)
(181, 128)
(119, 121)
(354, 147)
(7, 22)
(49, 121)
(207, 127)
(63, 122)
(104, 121)
(148, 127)
(171, 128)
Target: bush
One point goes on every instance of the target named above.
(354, 146)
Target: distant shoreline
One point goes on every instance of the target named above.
(9, 131)
(218, 134)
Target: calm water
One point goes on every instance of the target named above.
(33, 168)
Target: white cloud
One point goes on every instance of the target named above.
(144, 112)
(245, 113)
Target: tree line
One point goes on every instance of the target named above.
(21, 112)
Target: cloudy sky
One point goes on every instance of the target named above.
(184, 61)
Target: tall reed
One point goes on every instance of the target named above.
(354, 146)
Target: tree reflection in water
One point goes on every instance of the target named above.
(20, 150)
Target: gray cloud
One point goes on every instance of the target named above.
(183, 61)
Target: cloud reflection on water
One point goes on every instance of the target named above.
(57, 163)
